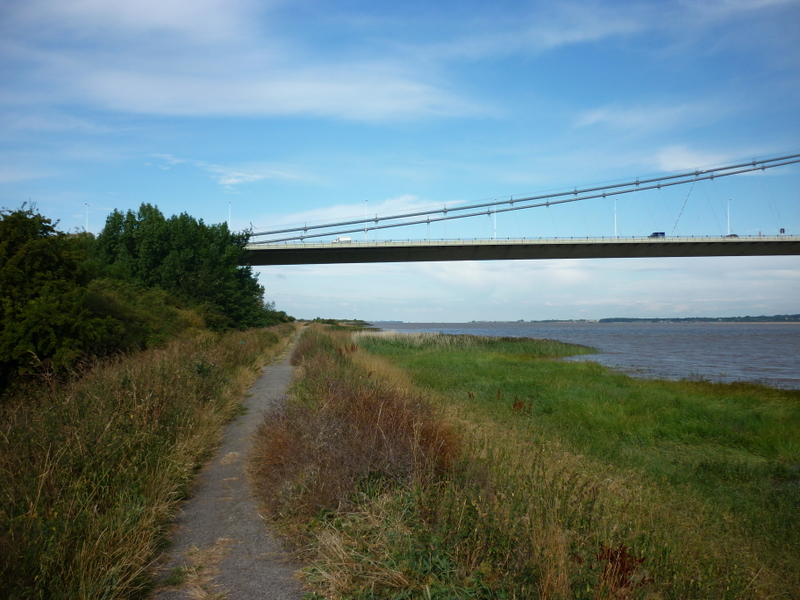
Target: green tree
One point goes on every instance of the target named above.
(195, 262)
(159, 277)
(43, 316)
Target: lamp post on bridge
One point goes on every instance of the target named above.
(729, 216)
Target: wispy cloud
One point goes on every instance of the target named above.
(13, 174)
(191, 19)
(225, 175)
(351, 91)
(355, 211)
(205, 58)
(235, 57)
(532, 29)
(574, 23)
(49, 122)
(650, 118)
(682, 158)
(717, 9)
(544, 27)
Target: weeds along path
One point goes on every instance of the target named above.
(221, 547)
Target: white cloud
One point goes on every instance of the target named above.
(646, 119)
(513, 280)
(541, 27)
(226, 175)
(206, 20)
(356, 211)
(682, 158)
(574, 23)
(211, 57)
(12, 174)
(237, 57)
(50, 122)
(537, 28)
(718, 9)
(463, 291)
(350, 91)
(229, 177)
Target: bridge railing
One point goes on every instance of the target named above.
(559, 240)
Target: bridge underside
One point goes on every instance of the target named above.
(373, 252)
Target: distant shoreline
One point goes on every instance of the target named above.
(762, 319)
(747, 319)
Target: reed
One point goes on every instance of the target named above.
(393, 341)
(91, 472)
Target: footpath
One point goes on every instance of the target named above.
(221, 547)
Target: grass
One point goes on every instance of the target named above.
(345, 433)
(562, 480)
(730, 454)
(91, 472)
(738, 444)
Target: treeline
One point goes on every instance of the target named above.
(748, 319)
(67, 298)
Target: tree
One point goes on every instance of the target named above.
(195, 262)
(43, 316)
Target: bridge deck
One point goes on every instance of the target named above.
(522, 249)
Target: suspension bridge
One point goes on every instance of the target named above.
(331, 242)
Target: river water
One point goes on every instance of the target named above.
(767, 353)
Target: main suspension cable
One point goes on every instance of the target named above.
(492, 208)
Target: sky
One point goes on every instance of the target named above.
(272, 113)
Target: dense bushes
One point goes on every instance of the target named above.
(43, 312)
(65, 298)
(147, 316)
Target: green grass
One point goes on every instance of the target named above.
(91, 472)
(729, 453)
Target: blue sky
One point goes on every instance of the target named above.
(282, 113)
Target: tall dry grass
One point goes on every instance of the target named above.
(344, 434)
(91, 472)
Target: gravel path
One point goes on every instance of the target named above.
(221, 547)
